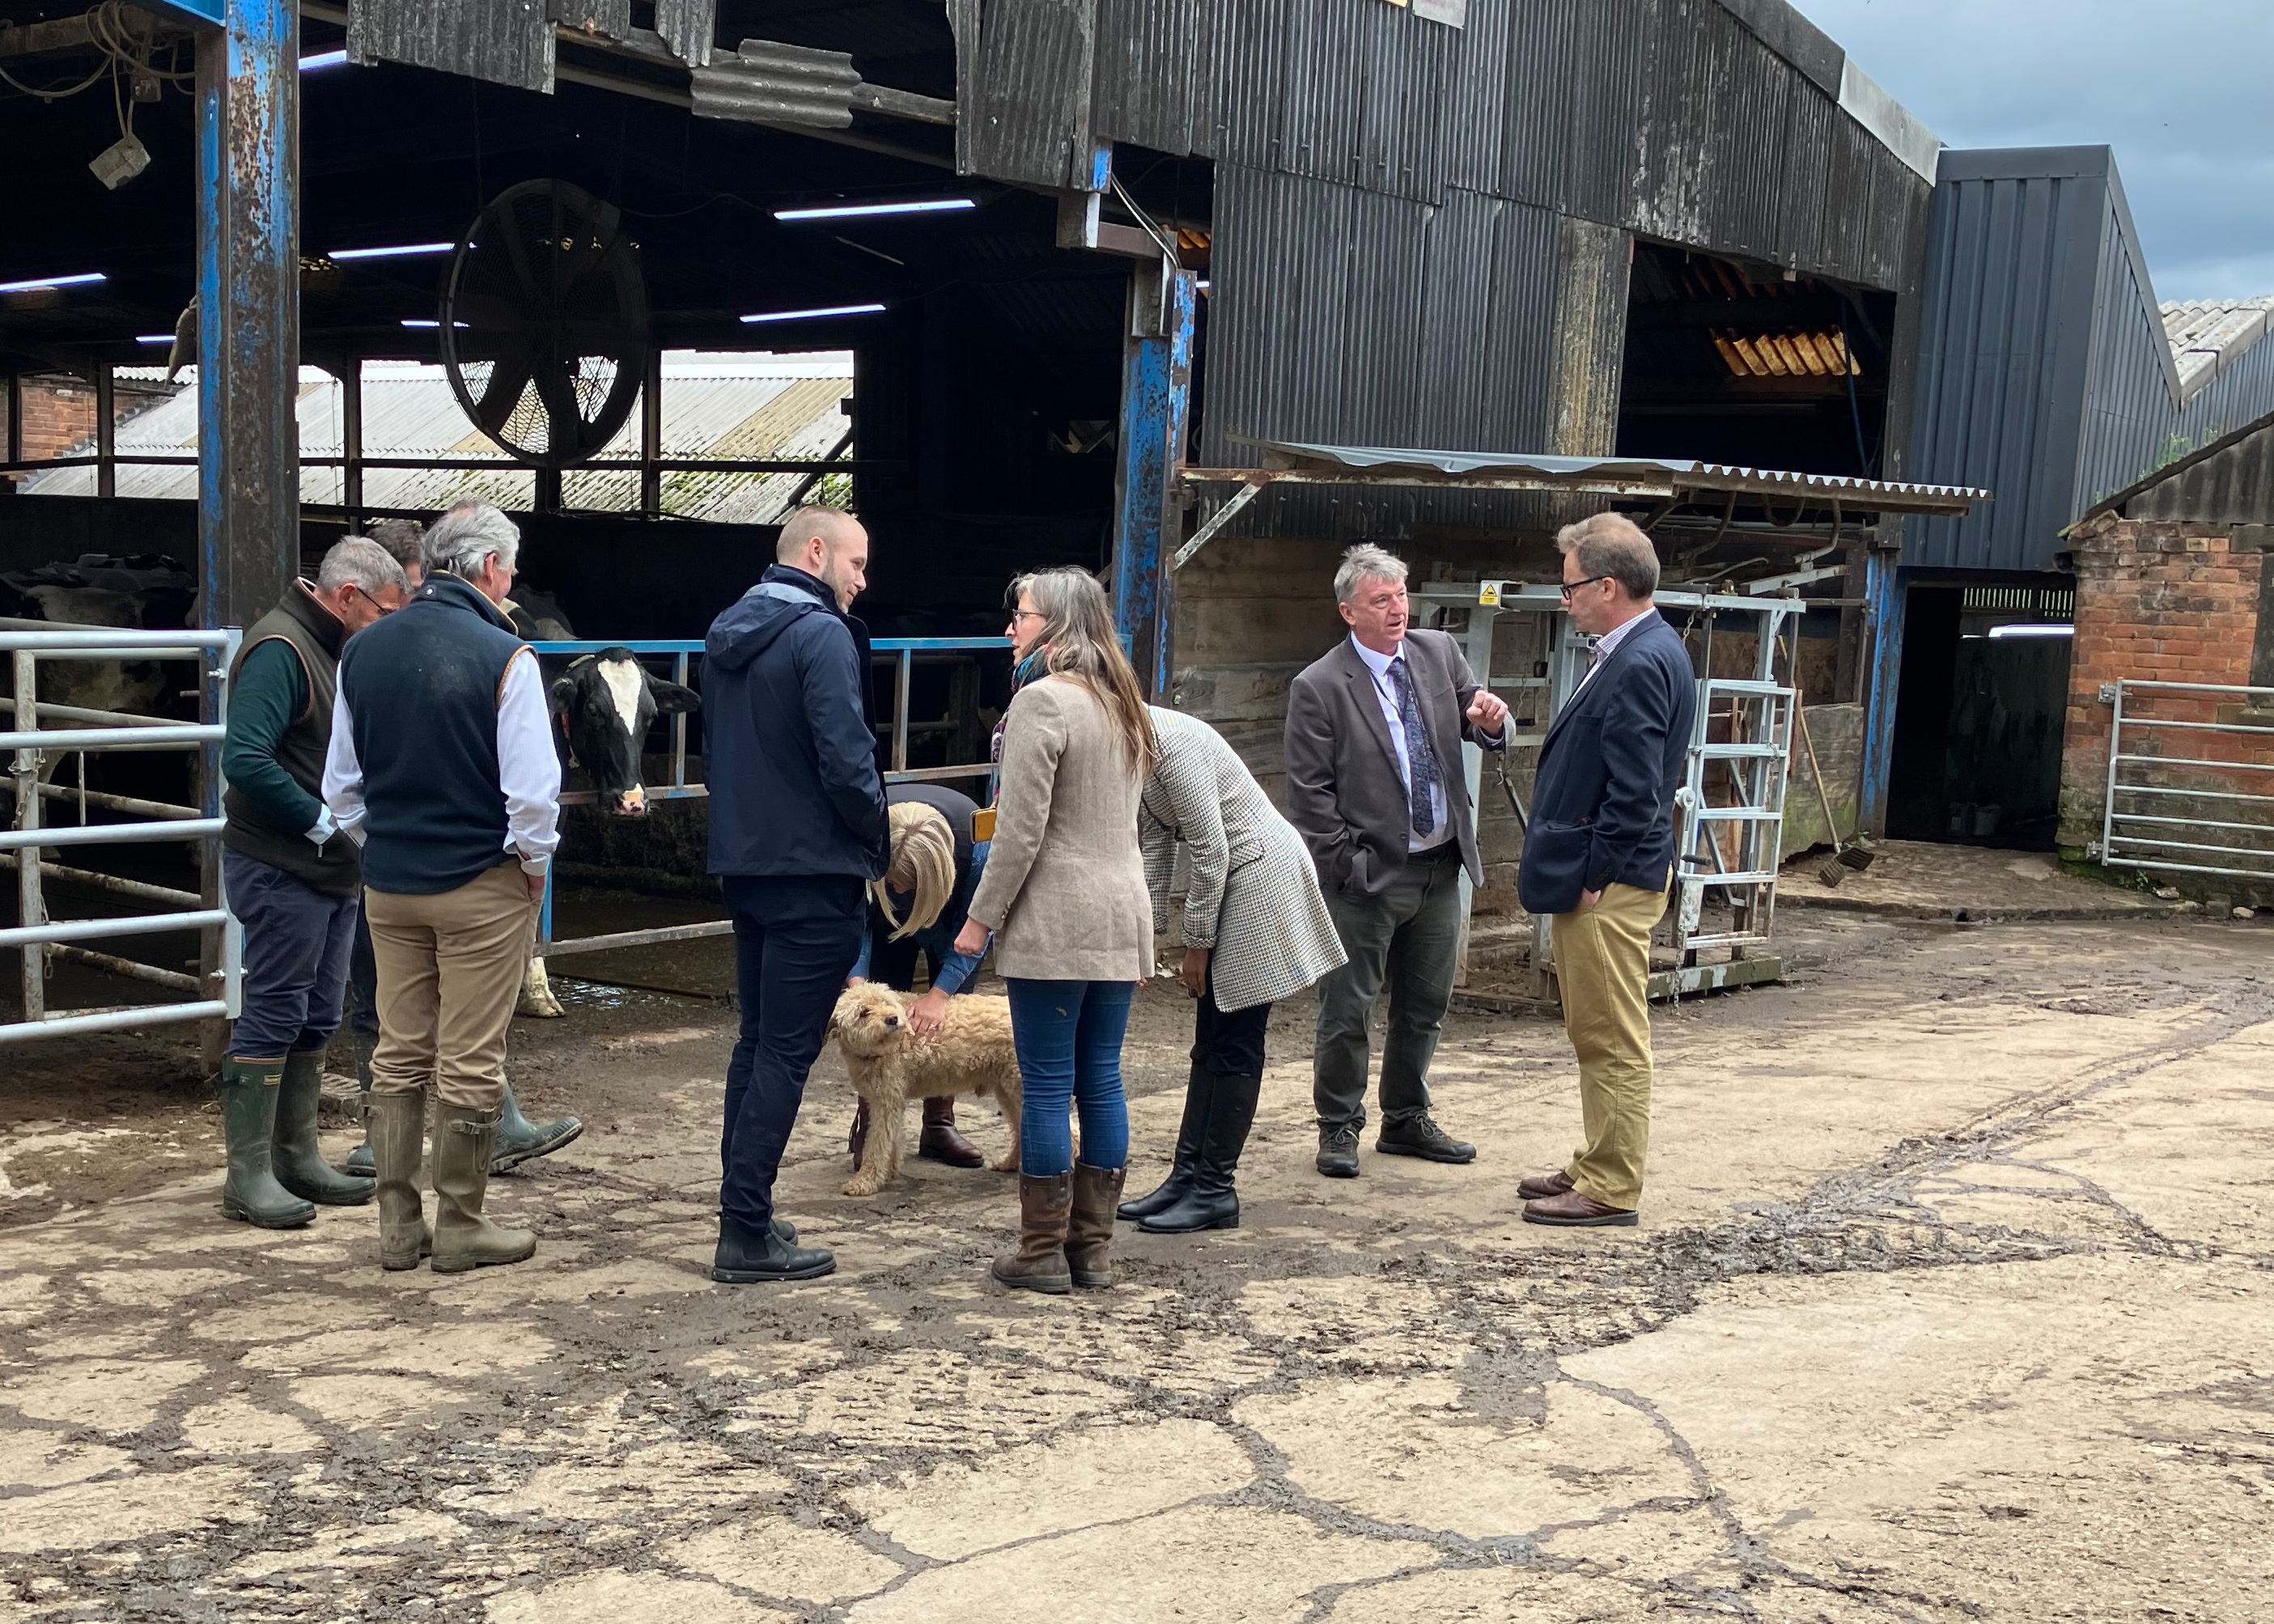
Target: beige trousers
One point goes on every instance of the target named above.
(450, 968)
(1602, 965)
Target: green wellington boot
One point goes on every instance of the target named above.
(248, 1124)
(464, 1141)
(359, 1163)
(298, 1157)
(520, 1139)
(398, 1143)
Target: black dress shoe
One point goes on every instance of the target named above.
(1417, 1136)
(745, 1259)
(1338, 1150)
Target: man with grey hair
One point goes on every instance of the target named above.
(291, 878)
(442, 766)
(1598, 857)
(1375, 730)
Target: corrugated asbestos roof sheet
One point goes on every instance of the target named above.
(754, 407)
(2209, 335)
(2229, 481)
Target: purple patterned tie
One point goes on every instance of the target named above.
(1420, 764)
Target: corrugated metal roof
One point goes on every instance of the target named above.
(2229, 481)
(755, 407)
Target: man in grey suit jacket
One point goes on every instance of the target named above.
(1374, 729)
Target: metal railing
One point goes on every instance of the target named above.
(41, 940)
(903, 653)
(2210, 808)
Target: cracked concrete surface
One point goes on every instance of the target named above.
(1954, 1300)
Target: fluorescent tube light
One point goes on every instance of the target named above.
(399, 250)
(853, 211)
(422, 321)
(35, 284)
(154, 338)
(323, 59)
(807, 315)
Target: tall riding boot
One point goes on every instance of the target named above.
(940, 1142)
(1045, 1204)
(398, 1144)
(248, 1125)
(1210, 1202)
(857, 1140)
(361, 1044)
(298, 1157)
(1188, 1138)
(465, 1141)
(520, 1139)
(1089, 1234)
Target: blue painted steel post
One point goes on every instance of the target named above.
(1883, 593)
(248, 93)
(1156, 400)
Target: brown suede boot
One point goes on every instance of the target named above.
(1089, 1232)
(1040, 1262)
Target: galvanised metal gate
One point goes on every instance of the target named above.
(2190, 779)
(87, 732)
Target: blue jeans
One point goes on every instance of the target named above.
(296, 959)
(1068, 1037)
(795, 944)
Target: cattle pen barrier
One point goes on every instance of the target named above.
(215, 993)
(902, 653)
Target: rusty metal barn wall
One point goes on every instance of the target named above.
(2232, 486)
(1025, 88)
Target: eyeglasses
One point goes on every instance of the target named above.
(374, 602)
(1018, 615)
(1569, 587)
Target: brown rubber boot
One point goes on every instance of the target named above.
(1040, 1262)
(464, 1140)
(1089, 1233)
(398, 1144)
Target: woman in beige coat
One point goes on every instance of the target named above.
(1064, 894)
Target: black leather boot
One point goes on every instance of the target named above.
(1209, 1201)
(1180, 1168)
(744, 1259)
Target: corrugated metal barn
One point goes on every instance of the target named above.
(1125, 235)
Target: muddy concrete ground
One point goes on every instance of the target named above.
(1952, 1301)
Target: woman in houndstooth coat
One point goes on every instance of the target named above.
(1256, 929)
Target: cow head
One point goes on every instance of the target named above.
(603, 706)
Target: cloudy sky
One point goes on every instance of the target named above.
(2180, 88)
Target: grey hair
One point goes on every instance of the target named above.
(458, 541)
(355, 560)
(1611, 544)
(1365, 562)
(402, 541)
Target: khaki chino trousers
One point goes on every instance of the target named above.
(450, 970)
(1602, 967)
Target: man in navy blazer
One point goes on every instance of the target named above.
(1599, 853)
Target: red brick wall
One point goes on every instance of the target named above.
(2156, 600)
(58, 414)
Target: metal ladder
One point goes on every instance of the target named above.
(1743, 864)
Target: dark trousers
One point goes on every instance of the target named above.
(1408, 939)
(363, 982)
(795, 944)
(1068, 1038)
(296, 959)
(1227, 1045)
(894, 963)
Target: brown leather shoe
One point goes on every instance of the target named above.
(1039, 1264)
(940, 1142)
(857, 1140)
(1573, 1210)
(1089, 1232)
(1540, 1187)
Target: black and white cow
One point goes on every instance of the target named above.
(603, 705)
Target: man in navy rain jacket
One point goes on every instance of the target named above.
(797, 831)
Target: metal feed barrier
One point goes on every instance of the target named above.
(903, 653)
(41, 940)
(2190, 779)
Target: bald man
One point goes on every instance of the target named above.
(797, 831)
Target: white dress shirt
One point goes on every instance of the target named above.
(528, 768)
(1609, 641)
(1385, 692)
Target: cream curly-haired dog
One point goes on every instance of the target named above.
(891, 1065)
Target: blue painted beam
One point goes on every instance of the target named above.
(248, 105)
(1884, 589)
(1155, 406)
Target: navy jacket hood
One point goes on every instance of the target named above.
(755, 621)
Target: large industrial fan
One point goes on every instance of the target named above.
(544, 322)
